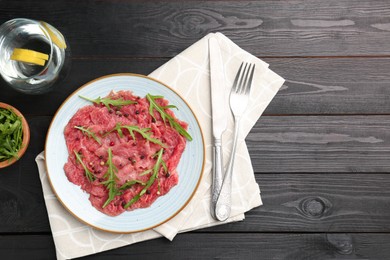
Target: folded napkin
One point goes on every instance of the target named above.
(188, 74)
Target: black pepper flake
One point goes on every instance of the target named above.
(136, 112)
(147, 191)
(101, 157)
(126, 115)
(132, 160)
(167, 174)
(142, 157)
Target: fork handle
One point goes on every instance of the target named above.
(217, 173)
(224, 202)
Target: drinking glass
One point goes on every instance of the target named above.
(33, 55)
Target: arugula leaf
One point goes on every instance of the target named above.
(108, 101)
(145, 132)
(87, 172)
(110, 183)
(89, 133)
(151, 180)
(129, 184)
(11, 134)
(165, 116)
(145, 172)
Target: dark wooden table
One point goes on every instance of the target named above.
(321, 151)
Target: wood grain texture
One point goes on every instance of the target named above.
(27, 247)
(312, 87)
(22, 208)
(220, 246)
(264, 28)
(332, 86)
(318, 203)
(334, 202)
(320, 152)
(320, 144)
(259, 246)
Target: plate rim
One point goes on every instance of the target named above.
(130, 75)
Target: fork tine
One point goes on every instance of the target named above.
(250, 78)
(235, 83)
(244, 80)
(241, 83)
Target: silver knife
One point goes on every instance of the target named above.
(219, 116)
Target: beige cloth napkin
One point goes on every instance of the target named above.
(188, 74)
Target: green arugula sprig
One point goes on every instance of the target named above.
(144, 132)
(151, 180)
(108, 101)
(165, 116)
(111, 177)
(145, 172)
(11, 134)
(89, 133)
(130, 183)
(87, 172)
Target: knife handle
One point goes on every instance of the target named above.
(224, 201)
(217, 174)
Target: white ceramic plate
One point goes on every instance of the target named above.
(76, 201)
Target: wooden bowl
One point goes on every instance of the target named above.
(26, 136)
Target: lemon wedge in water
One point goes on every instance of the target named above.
(29, 56)
(56, 37)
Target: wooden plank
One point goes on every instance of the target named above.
(220, 246)
(265, 28)
(318, 203)
(292, 202)
(313, 86)
(22, 208)
(335, 202)
(260, 246)
(320, 144)
(27, 247)
(332, 86)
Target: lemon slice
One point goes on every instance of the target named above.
(56, 37)
(27, 52)
(29, 56)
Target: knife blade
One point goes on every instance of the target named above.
(219, 116)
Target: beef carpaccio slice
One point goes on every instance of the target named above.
(134, 158)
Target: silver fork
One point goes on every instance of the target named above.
(239, 97)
